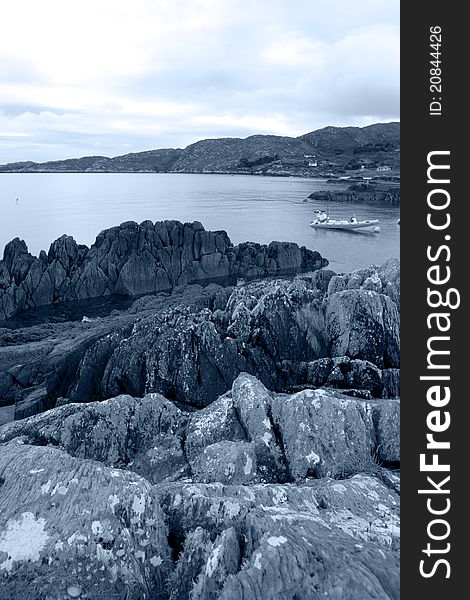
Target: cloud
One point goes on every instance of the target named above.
(124, 76)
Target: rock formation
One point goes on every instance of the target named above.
(379, 195)
(319, 329)
(133, 259)
(232, 443)
(260, 495)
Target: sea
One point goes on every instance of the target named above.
(40, 207)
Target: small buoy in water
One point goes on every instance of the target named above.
(74, 591)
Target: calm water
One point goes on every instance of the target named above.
(259, 209)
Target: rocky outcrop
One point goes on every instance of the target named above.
(246, 436)
(260, 495)
(321, 538)
(382, 280)
(369, 193)
(190, 346)
(134, 259)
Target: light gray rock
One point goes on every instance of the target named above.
(113, 431)
(323, 434)
(252, 402)
(70, 522)
(227, 463)
(365, 325)
(328, 537)
(215, 423)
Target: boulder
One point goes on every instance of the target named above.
(323, 434)
(216, 423)
(253, 402)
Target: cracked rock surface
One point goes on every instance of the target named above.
(236, 443)
(259, 495)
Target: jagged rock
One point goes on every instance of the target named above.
(114, 431)
(386, 416)
(247, 435)
(365, 325)
(215, 423)
(136, 259)
(340, 372)
(389, 274)
(223, 560)
(164, 461)
(383, 280)
(253, 402)
(194, 553)
(70, 522)
(321, 279)
(391, 381)
(215, 537)
(363, 375)
(286, 333)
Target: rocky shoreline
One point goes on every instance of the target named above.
(223, 442)
(367, 193)
(133, 259)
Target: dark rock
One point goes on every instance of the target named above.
(222, 562)
(137, 259)
(386, 416)
(391, 381)
(191, 345)
(321, 279)
(164, 461)
(357, 193)
(191, 561)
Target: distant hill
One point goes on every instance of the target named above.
(331, 151)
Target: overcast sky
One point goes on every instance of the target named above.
(107, 77)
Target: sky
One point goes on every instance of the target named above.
(108, 77)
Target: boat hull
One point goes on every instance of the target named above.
(370, 225)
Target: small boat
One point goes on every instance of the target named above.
(343, 225)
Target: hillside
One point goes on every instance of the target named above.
(331, 151)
